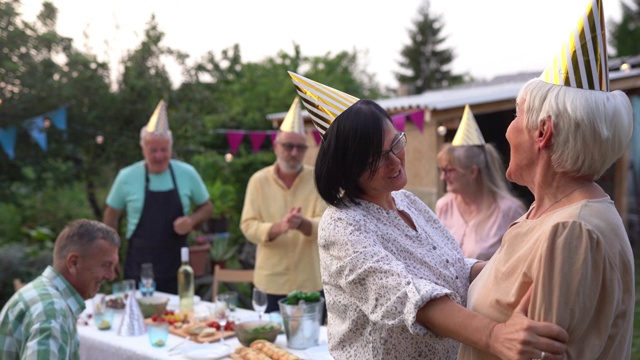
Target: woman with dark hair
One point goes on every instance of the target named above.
(395, 280)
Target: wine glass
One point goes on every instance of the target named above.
(146, 278)
(232, 303)
(221, 313)
(259, 301)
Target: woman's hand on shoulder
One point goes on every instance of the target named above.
(520, 337)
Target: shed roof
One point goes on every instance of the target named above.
(499, 89)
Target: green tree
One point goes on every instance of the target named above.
(52, 73)
(625, 35)
(425, 63)
(144, 82)
(223, 92)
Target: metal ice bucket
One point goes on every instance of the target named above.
(302, 323)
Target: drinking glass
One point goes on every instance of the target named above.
(222, 312)
(232, 303)
(259, 301)
(117, 289)
(102, 315)
(147, 285)
(129, 286)
(158, 333)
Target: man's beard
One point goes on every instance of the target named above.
(290, 169)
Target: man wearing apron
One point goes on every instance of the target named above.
(156, 193)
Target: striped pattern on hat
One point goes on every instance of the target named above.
(293, 121)
(582, 60)
(159, 122)
(468, 133)
(323, 103)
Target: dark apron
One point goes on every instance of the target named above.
(154, 239)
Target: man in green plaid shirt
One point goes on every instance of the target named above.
(39, 321)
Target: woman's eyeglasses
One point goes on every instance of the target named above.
(446, 171)
(396, 148)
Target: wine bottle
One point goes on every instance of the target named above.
(185, 282)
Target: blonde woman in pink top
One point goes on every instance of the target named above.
(478, 206)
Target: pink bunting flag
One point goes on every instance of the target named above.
(257, 138)
(272, 136)
(399, 121)
(316, 136)
(418, 119)
(235, 138)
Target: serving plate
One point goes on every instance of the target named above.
(206, 352)
(318, 352)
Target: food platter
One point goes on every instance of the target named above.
(206, 335)
(198, 331)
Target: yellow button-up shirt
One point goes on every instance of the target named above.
(290, 261)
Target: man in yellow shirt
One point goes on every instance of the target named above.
(281, 212)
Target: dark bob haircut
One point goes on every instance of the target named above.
(351, 146)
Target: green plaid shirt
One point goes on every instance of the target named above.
(39, 321)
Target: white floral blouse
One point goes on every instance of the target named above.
(377, 272)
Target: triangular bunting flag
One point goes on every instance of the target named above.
(235, 138)
(257, 138)
(35, 128)
(8, 141)
(417, 117)
(399, 121)
(316, 136)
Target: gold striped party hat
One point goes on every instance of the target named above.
(582, 60)
(293, 121)
(468, 133)
(159, 122)
(323, 103)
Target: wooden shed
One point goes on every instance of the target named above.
(493, 105)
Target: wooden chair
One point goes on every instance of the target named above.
(17, 284)
(221, 275)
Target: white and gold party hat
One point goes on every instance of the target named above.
(582, 60)
(468, 133)
(323, 103)
(293, 121)
(159, 122)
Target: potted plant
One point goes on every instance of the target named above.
(222, 249)
(199, 258)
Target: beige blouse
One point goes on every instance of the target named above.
(581, 265)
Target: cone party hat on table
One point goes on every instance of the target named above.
(159, 121)
(293, 121)
(132, 322)
(468, 133)
(582, 60)
(323, 103)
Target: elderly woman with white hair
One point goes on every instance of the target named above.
(571, 244)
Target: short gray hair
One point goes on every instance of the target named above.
(591, 129)
(144, 133)
(80, 236)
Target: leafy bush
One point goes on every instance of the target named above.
(227, 183)
(25, 261)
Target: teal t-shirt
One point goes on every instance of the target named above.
(127, 191)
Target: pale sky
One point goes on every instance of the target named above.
(489, 37)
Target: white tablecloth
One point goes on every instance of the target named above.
(107, 344)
